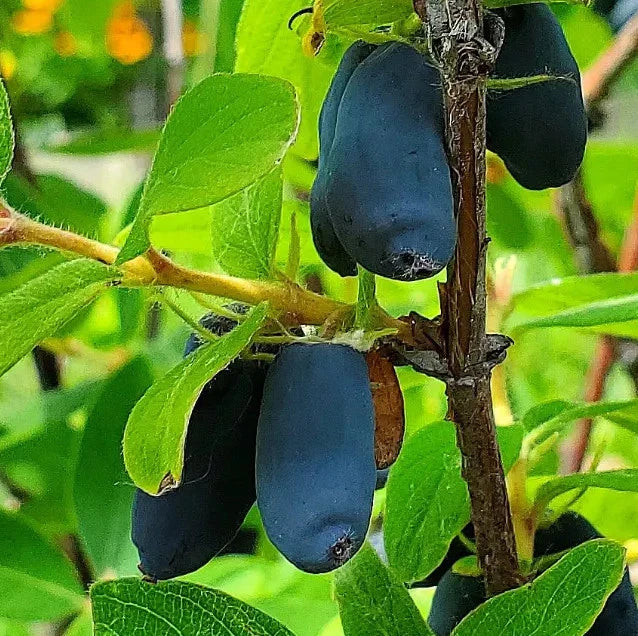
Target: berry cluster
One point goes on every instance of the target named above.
(297, 437)
(383, 193)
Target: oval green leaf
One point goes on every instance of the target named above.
(156, 429)
(130, 606)
(604, 303)
(345, 13)
(427, 502)
(7, 140)
(564, 600)
(265, 45)
(38, 308)
(37, 582)
(245, 228)
(373, 601)
(221, 136)
(623, 480)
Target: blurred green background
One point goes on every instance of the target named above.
(90, 84)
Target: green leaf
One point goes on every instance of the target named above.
(344, 13)
(245, 228)
(184, 232)
(609, 410)
(604, 312)
(554, 416)
(127, 606)
(427, 502)
(513, 83)
(303, 602)
(37, 582)
(565, 599)
(624, 480)
(510, 440)
(30, 417)
(626, 417)
(6, 134)
(544, 412)
(366, 299)
(561, 294)
(37, 309)
(221, 136)
(265, 45)
(56, 201)
(507, 218)
(156, 430)
(604, 303)
(104, 142)
(14, 628)
(373, 601)
(101, 492)
(19, 264)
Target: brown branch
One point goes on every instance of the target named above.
(607, 352)
(72, 546)
(591, 253)
(574, 207)
(628, 257)
(48, 367)
(601, 76)
(581, 228)
(457, 33)
(603, 360)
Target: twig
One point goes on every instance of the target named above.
(47, 365)
(601, 76)
(592, 255)
(294, 304)
(457, 32)
(628, 257)
(72, 546)
(607, 351)
(581, 228)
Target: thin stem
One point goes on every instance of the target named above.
(601, 76)
(193, 324)
(582, 230)
(259, 357)
(205, 302)
(601, 364)
(277, 340)
(300, 306)
(290, 301)
(467, 543)
(18, 229)
(604, 357)
(294, 250)
(457, 32)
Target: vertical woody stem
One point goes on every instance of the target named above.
(459, 46)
